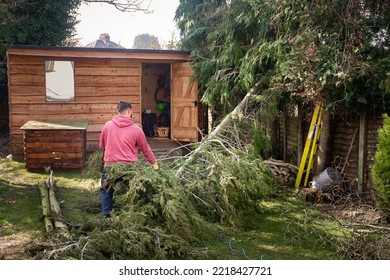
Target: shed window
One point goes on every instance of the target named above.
(59, 80)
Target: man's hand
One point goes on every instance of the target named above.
(155, 166)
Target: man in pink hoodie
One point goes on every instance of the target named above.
(120, 140)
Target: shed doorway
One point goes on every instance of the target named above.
(156, 100)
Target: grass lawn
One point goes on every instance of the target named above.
(286, 229)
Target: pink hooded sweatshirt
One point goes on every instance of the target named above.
(120, 139)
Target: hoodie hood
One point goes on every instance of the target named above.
(122, 121)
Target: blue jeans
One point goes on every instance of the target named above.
(106, 195)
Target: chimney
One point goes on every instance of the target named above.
(105, 37)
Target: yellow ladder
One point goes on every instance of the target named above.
(310, 146)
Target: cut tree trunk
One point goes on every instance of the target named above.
(221, 127)
(46, 208)
(301, 137)
(51, 209)
(57, 215)
(323, 157)
(55, 207)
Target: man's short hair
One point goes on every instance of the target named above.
(123, 106)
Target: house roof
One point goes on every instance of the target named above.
(103, 44)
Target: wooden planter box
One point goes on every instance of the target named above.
(60, 145)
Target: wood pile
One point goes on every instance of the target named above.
(283, 170)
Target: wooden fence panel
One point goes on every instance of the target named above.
(345, 150)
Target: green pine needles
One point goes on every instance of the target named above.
(381, 169)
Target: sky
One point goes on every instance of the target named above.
(122, 27)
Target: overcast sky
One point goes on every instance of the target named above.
(123, 27)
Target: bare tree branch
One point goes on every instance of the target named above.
(5, 4)
(6, 16)
(125, 5)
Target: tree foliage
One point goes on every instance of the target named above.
(381, 169)
(34, 22)
(39, 22)
(167, 214)
(146, 41)
(332, 50)
(45, 22)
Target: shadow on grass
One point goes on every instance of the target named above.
(285, 229)
(19, 209)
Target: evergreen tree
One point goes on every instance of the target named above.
(336, 52)
(381, 169)
(146, 41)
(40, 22)
(33, 22)
(333, 50)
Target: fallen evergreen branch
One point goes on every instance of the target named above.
(165, 214)
(159, 215)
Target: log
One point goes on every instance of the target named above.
(285, 171)
(46, 208)
(279, 163)
(57, 215)
(55, 208)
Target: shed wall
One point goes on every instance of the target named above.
(99, 84)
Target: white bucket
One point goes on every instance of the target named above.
(327, 178)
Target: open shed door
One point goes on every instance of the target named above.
(184, 102)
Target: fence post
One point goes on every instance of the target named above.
(362, 151)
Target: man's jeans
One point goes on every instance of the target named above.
(106, 195)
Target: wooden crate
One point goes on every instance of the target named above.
(162, 132)
(60, 145)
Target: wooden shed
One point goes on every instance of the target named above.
(55, 84)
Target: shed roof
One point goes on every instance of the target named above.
(136, 54)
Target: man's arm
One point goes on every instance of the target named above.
(146, 150)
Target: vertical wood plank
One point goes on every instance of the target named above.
(362, 152)
(301, 138)
(285, 135)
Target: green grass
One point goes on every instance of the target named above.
(286, 229)
(19, 200)
(20, 208)
(21, 215)
(78, 197)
